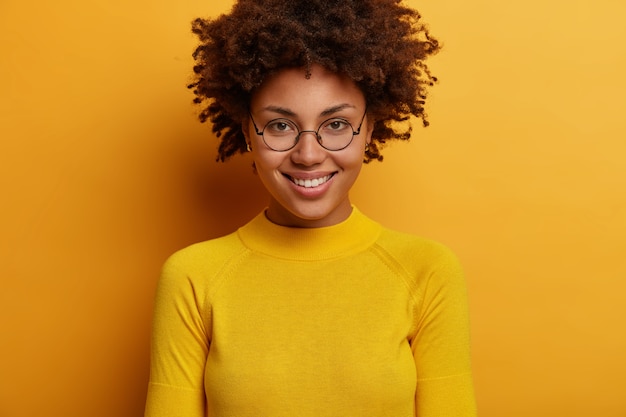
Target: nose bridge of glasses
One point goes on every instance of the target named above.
(314, 132)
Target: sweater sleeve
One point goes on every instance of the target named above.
(180, 345)
(441, 346)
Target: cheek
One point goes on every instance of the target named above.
(265, 162)
(354, 160)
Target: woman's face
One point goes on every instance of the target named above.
(308, 184)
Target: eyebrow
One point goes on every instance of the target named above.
(326, 112)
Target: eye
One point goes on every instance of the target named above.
(280, 126)
(336, 126)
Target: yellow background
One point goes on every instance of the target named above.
(104, 172)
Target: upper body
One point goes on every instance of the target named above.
(311, 309)
(346, 320)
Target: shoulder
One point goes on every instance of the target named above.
(414, 250)
(205, 254)
(432, 272)
(197, 266)
(422, 262)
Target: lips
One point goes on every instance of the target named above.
(310, 182)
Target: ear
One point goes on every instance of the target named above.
(369, 131)
(245, 126)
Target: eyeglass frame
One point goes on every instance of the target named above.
(318, 137)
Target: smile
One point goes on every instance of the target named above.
(310, 183)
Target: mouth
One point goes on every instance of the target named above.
(309, 182)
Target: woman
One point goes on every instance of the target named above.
(311, 309)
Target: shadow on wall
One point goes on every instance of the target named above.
(219, 197)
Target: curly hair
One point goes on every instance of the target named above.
(380, 44)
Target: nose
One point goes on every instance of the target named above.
(308, 151)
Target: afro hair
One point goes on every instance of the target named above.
(380, 44)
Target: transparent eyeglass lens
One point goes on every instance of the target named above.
(283, 134)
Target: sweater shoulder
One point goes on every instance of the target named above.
(421, 261)
(411, 249)
(202, 261)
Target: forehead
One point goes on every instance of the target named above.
(291, 89)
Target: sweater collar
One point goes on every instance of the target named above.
(353, 235)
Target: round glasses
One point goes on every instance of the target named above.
(334, 134)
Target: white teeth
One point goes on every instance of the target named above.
(315, 182)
